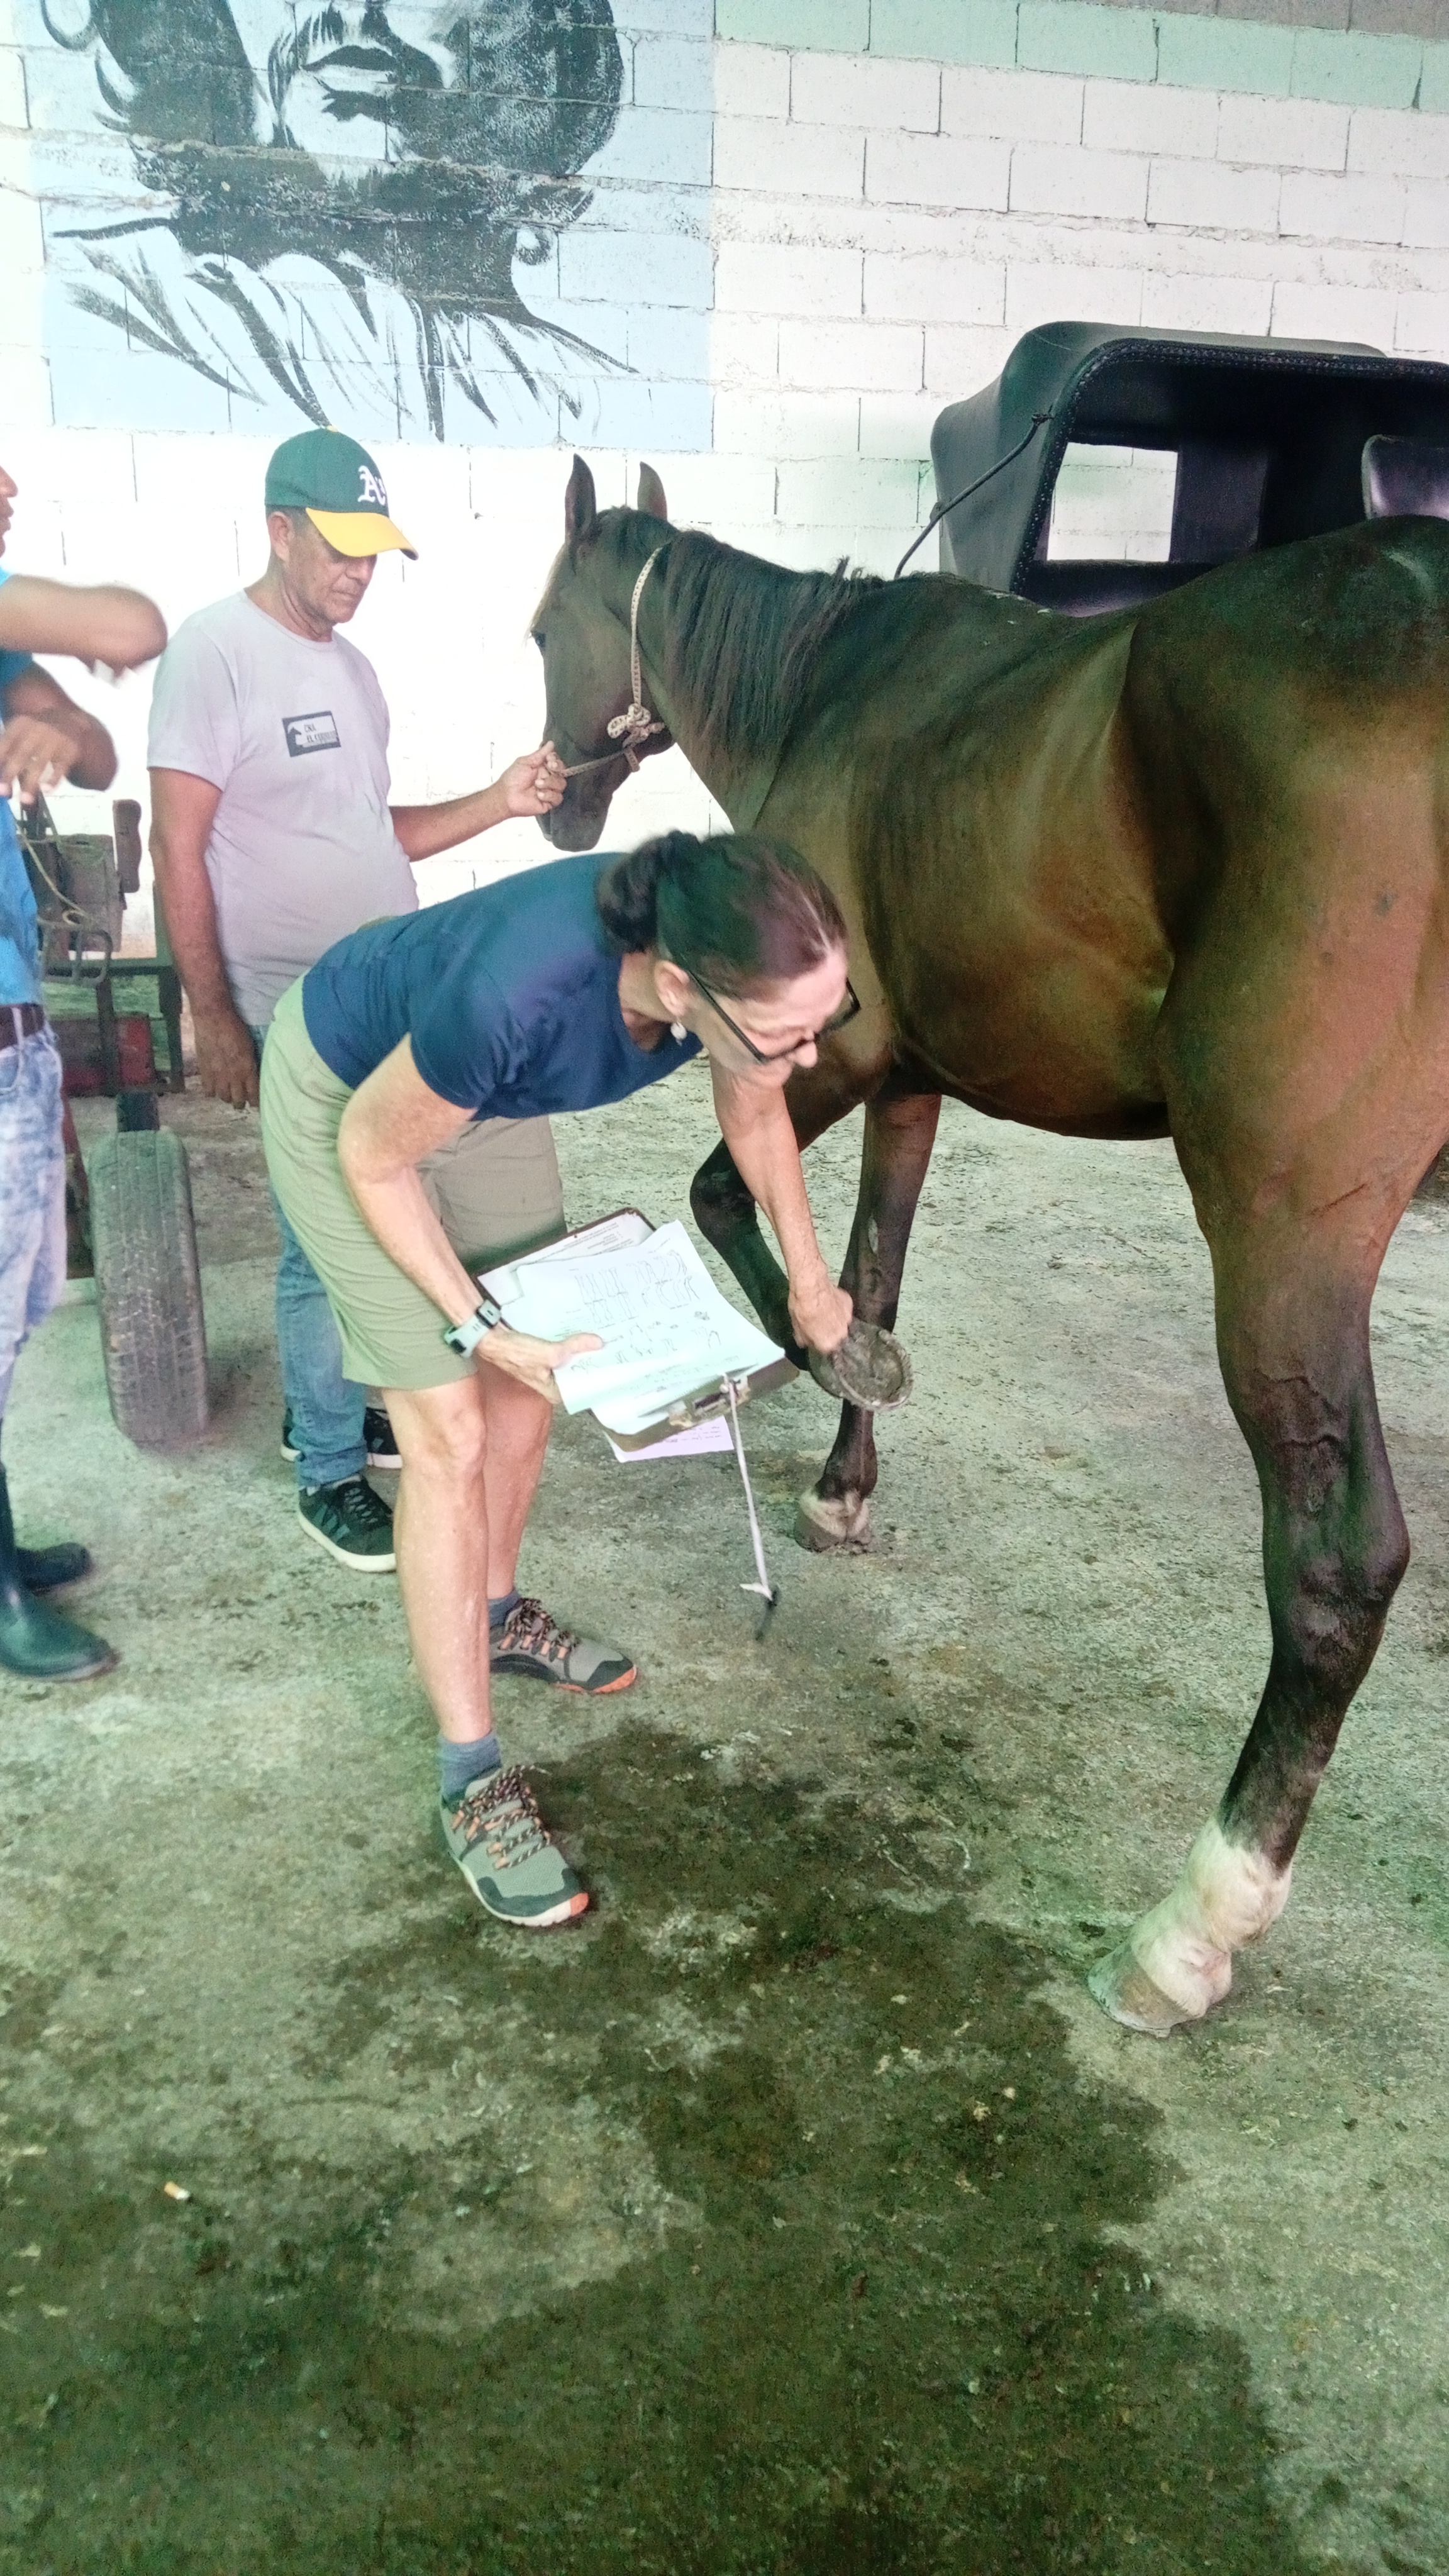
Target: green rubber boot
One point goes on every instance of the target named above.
(45, 1569)
(35, 1640)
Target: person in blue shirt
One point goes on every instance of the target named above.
(566, 987)
(44, 738)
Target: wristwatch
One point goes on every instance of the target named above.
(465, 1338)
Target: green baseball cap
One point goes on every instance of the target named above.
(335, 481)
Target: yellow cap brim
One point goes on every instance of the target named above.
(361, 532)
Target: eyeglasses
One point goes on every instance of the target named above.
(847, 1012)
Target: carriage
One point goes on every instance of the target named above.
(1274, 440)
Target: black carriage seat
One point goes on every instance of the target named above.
(1271, 439)
(1405, 478)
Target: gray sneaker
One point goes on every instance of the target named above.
(504, 1850)
(532, 1641)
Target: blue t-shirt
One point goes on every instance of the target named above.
(19, 928)
(510, 996)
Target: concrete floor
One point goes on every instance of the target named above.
(799, 2213)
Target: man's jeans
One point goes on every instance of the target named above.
(32, 1191)
(326, 1407)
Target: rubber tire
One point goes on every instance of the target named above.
(148, 1286)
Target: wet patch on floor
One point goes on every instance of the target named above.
(793, 2254)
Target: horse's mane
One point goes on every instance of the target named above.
(754, 631)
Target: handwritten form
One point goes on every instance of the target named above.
(667, 1333)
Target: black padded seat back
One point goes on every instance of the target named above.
(1091, 589)
(1269, 437)
(1405, 478)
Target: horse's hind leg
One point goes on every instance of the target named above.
(1293, 1336)
(900, 1130)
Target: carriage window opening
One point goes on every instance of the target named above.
(1113, 505)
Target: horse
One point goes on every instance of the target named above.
(1181, 870)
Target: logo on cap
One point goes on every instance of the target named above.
(371, 488)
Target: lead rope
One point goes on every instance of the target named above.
(764, 1587)
(636, 724)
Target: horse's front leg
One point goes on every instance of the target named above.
(1293, 1318)
(726, 1214)
(900, 1130)
(724, 1210)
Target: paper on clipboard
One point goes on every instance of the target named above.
(668, 1335)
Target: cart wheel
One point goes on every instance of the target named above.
(148, 1286)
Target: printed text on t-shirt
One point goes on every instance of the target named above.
(311, 733)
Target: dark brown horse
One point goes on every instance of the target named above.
(1183, 870)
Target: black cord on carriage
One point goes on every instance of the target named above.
(943, 507)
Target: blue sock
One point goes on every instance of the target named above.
(459, 1764)
(498, 1611)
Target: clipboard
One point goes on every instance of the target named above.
(708, 1402)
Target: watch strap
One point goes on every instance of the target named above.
(464, 1338)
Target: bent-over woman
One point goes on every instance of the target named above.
(567, 987)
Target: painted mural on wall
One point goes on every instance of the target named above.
(338, 214)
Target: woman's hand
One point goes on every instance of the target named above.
(821, 1314)
(533, 1362)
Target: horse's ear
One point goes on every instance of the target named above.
(581, 508)
(651, 494)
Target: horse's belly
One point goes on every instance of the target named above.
(1060, 1042)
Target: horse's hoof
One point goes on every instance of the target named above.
(834, 1525)
(1123, 1988)
(1177, 1961)
(870, 1370)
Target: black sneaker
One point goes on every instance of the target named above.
(377, 1431)
(352, 1523)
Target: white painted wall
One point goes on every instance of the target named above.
(876, 235)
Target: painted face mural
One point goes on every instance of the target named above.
(334, 204)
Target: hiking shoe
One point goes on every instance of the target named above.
(352, 1522)
(377, 1432)
(531, 1641)
(507, 1855)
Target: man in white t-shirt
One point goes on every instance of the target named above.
(273, 836)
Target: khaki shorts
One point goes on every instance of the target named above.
(495, 1191)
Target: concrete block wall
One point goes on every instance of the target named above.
(816, 223)
(887, 227)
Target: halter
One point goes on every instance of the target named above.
(636, 724)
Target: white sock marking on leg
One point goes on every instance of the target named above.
(1227, 1896)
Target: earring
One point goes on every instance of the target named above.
(678, 1032)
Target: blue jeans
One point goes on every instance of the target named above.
(326, 1407)
(32, 1192)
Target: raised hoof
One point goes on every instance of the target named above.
(870, 1370)
(831, 1526)
(1123, 1988)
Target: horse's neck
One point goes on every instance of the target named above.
(682, 687)
(773, 651)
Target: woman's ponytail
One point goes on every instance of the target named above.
(627, 894)
(741, 910)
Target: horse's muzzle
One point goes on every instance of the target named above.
(577, 822)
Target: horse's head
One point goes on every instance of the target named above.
(585, 646)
